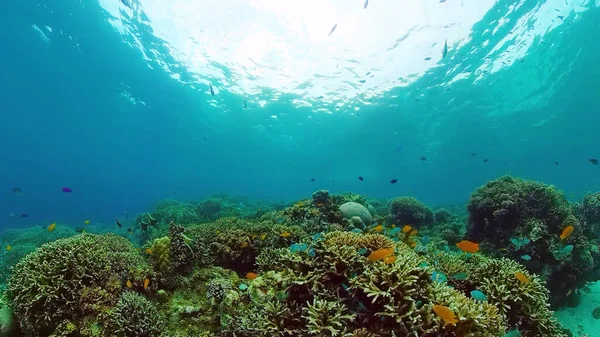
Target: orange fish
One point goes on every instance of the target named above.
(378, 228)
(251, 275)
(445, 314)
(468, 246)
(285, 234)
(413, 244)
(244, 245)
(146, 283)
(406, 229)
(320, 204)
(413, 232)
(389, 259)
(129, 284)
(148, 251)
(522, 277)
(567, 232)
(51, 227)
(380, 254)
(393, 225)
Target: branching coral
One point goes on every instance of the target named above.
(75, 278)
(135, 316)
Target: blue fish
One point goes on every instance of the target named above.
(357, 230)
(332, 29)
(394, 231)
(311, 252)
(526, 257)
(445, 51)
(212, 91)
(439, 277)
(513, 333)
(298, 247)
(362, 251)
(425, 240)
(568, 249)
(478, 295)
(399, 148)
(317, 236)
(460, 276)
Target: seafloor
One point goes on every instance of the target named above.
(327, 265)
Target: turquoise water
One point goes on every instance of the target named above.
(114, 102)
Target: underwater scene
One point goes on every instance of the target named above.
(328, 168)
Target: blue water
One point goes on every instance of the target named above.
(124, 120)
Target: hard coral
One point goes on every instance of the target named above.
(76, 278)
(409, 210)
(135, 316)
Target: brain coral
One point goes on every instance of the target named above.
(73, 279)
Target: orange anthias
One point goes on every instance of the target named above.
(522, 277)
(566, 232)
(406, 228)
(251, 276)
(445, 314)
(146, 283)
(380, 254)
(468, 246)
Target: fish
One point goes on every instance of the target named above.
(473, 154)
(366, 4)
(566, 232)
(362, 251)
(406, 229)
(212, 91)
(413, 232)
(146, 283)
(445, 314)
(594, 161)
(390, 259)
(24, 215)
(11, 214)
(445, 51)
(129, 230)
(17, 191)
(468, 246)
(460, 276)
(521, 277)
(556, 163)
(152, 221)
(245, 105)
(317, 236)
(362, 81)
(148, 251)
(393, 181)
(87, 222)
(427, 58)
(312, 179)
(478, 295)
(8, 248)
(357, 230)
(423, 158)
(332, 29)
(526, 257)
(378, 228)
(251, 276)
(127, 3)
(568, 249)
(51, 227)
(263, 236)
(380, 254)
(285, 234)
(129, 284)
(486, 160)
(394, 231)
(512, 333)
(439, 277)
(361, 178)
(67, 190)
(298, 247)
(119, 222)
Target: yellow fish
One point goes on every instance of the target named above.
(445, 314)
(146, 283)
(129, 284)
(87, 222)
(566, 232)
(51, 227)
(406, 229)
(148, 251)
(380, 254)
(263, 236)
(378, 228)
(522, 277)
(389, 259)
(8, 248)
(285, 234)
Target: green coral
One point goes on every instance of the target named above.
(74, 279)
(135, 316)
(161, 254)
(411, 211)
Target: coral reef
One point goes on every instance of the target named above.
(72, 281)
(134, 316)
(409, 210)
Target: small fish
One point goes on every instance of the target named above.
(51, 227)
(67, 190)
(413, 232)
(263, 236)
(593, 161)
(8, 248)
(406, 229)
(423, 158)
(212, 91)
(568, 249)
(361, 178)
(17, 191)
(362, 251)
(251, 276)
(394, 231)
(468, 246)
(151, 220)
(486, 160)
(427, 58)
(245, 105)
(513, 333)
(366, 4)
(445, 314)
(129, 284)
(556, 163)
(378, 228)
(332, 29)
(127, 3)
(119, 222)
(87, 222)
(380, 254)
(129, 230)
(526, 257)
(317, 236)
(148, 251)
(11, 214)
(146, 283)
(566, 232)
(24, 215)
(362, 81)
(445, 51)
(460, 276)
(393, 181)
(478, 295)
(312, 180)
(357, 230)
(389, 259)
(285, 234)
(298, 247)
(521, 277)
(439, 277)
(473, 154)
